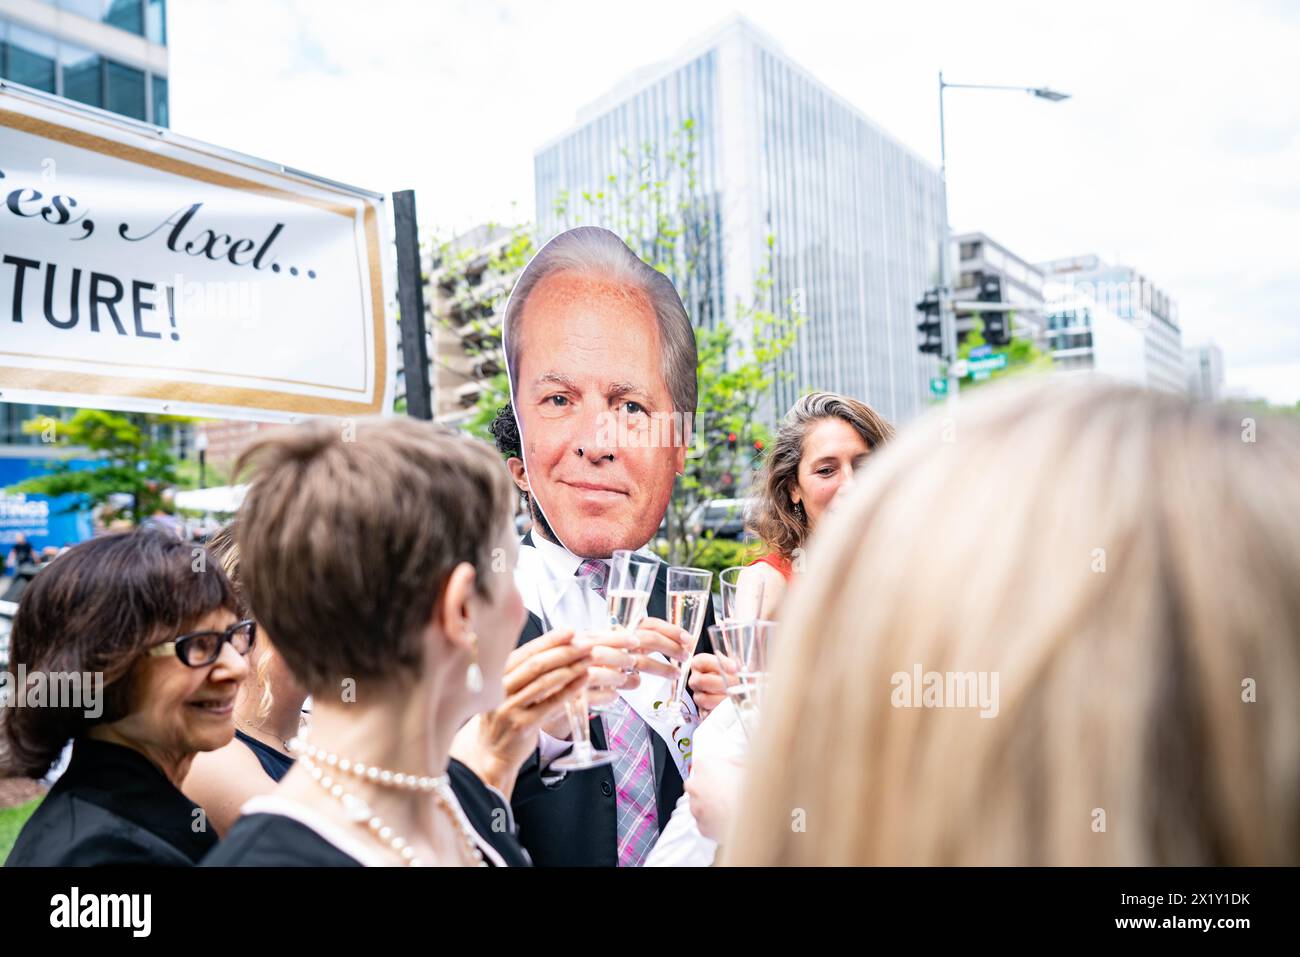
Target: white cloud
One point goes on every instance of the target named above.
(1178, 153)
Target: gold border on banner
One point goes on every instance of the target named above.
(198, 392)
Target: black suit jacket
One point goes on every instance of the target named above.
(112, 807)
(574, 822)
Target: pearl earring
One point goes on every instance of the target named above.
(473, 674)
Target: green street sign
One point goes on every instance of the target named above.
(988, 363)
(939, 386)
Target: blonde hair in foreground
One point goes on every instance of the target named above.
(1126, 564)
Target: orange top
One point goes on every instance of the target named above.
(777, 561)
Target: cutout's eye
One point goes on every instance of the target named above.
(633, 408)
(556, 401)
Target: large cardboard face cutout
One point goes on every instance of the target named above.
(602, 435)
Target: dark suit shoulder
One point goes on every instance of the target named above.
(532, 629)
(273, 840)
(69, 831)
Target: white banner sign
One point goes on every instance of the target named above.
(143, 271)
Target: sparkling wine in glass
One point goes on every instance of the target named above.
(748, 644)
(627, 596)
(627, 608)
(747, 698)
(688, 600)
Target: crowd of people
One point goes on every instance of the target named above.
(1120, 564)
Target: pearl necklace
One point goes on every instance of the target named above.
(319, 764)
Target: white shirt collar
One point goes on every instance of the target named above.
(559, 561)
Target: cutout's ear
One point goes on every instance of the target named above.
(451, 612)
(519, 473)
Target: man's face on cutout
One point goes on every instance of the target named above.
(593, 411)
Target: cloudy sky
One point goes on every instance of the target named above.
(1179, 153)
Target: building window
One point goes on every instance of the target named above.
(970, 250)
(126, 15)
(155, 22)
(161, 114)
(83, 75)
(28, 58)
(125, 90)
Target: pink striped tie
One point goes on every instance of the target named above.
(634, 776)
(634, 783)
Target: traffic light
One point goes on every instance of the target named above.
(996, 332)
(930, 326)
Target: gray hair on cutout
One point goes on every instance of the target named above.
(592, 250)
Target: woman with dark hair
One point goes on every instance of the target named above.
(156, 636)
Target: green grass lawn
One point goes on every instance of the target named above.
(12, 820)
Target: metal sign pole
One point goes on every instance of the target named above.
(410, 301)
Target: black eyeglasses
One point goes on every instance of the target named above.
(200, 648)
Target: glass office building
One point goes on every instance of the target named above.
(106, 53)
(856, 218)
(111, 54)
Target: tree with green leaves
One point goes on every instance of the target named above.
(130, 458)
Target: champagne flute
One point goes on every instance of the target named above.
(631, 580)
(688, 599)
(720, 639)
(739, 603)
(555, 595)
(748, 644)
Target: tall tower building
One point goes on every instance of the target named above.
(857, 218)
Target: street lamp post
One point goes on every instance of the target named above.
(947, 316)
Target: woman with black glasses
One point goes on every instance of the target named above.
(141, 633)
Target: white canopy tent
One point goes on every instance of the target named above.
(221, 499)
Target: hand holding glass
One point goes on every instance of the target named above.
(554, 596)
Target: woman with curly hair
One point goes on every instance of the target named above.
(821, 442)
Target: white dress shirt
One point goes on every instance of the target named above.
(550, 566)
(545, 576)
(720, 735)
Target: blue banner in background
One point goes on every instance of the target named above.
(45, 520)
